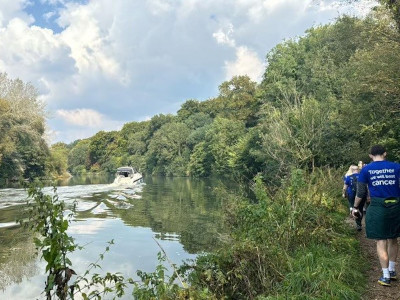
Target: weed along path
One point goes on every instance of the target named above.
(375, 291)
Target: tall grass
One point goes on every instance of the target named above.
(293, 244)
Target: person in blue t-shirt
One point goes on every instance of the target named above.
(382, 178)
(349, 190)
(345, 194)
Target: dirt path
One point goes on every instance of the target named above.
(375, 291)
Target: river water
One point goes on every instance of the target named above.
(182, 214)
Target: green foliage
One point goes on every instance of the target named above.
(157, 121)
(373, 88)
(311, 66)
(302, 134)
(23, 151)
(189, 108)
(393, 7)
(158, 285)
(47, 216)
(78, 157)
(222, 137)
(289, 244)
(58, 161)
(238, 99)
(167, 152)
(321, 272)
(99, 146)
(200, 161)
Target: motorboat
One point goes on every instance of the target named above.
(127, 176)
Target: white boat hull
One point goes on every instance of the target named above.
(128, 181)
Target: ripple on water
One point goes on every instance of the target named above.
(11, 197)
(85, 206)
(100, 209)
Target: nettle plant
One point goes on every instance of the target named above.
(48, 217)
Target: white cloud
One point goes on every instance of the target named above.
(33, 45)
(158, 7)
(90, 44)
(247, 63)
(79, 124)
(49, 15)
(82, 117)
(13, 9)
(225, 37)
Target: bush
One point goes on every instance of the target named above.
(290, 244)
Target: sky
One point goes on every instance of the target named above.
(98, 64)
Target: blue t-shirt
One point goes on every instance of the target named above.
(351, 184)
(382, 177)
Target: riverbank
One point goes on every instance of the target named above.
(291, 243)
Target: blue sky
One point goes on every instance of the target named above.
(98, 64)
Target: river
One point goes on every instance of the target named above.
(182, 214)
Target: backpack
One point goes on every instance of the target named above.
(353, 183)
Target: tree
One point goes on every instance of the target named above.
(187, 109)
(372, 87)
(238, 99)
(99, 147)
(200, 161)
(23, 150)
(168, 152)
(58, 160)
(312, 65)
(393, 7)
(222, 138)
(78, 157)
(294, 135)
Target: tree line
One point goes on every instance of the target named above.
(324, 99)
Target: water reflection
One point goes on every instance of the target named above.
(181, 206)
(181, 213)
(17, 260)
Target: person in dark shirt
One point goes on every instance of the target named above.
(382, 178)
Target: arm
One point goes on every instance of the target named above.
(344, 190)
(362, 191)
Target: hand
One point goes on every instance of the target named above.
(343, 195)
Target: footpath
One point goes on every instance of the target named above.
(375, 291)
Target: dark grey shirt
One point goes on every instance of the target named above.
(362, 190)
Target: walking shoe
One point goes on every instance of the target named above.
(393, 275)
(384, 281)
(359, 228)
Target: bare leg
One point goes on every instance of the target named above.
(381, 249)
(392, 249)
